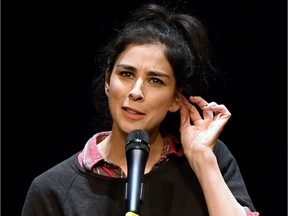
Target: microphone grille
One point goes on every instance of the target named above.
(137, 139)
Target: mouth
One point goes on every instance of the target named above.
(132, 113)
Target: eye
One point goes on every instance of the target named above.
(156, 81)
(126, 74)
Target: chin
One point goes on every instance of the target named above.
(128, 128)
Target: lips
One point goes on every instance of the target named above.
(133, 113)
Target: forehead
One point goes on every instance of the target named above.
(147, 56)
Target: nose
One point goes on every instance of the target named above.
(136, 94)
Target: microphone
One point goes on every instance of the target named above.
(137, 150)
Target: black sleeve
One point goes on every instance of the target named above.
(232, 175)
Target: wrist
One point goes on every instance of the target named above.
(203, 162)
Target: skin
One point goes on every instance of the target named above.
(141, 90)
(198, 140)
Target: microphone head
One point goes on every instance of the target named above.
(137, 139)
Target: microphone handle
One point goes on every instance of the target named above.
(136, 160)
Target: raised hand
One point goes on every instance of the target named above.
(199, 131)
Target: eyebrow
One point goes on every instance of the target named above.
(150, 73)
(128, 67)
(159, 74)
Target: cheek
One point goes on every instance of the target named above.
(117, 93)
(116, 89)
(160, 103)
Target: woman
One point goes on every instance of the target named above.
(157, 67)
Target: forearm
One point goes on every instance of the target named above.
(219, 198)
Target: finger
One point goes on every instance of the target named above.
(210, 105)
(202, 104)
(194, 114)
(184, 117)
(199, 101)
(207, 112)
(220, 110)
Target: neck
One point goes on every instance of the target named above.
(113, 149)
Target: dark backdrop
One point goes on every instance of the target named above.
(47, 65)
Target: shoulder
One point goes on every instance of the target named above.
(57, 175)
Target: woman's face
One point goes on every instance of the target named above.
(141, 89)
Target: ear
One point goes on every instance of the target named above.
(107, 82)
(107, 88)
(175, 105)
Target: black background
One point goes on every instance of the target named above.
(47, 65)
